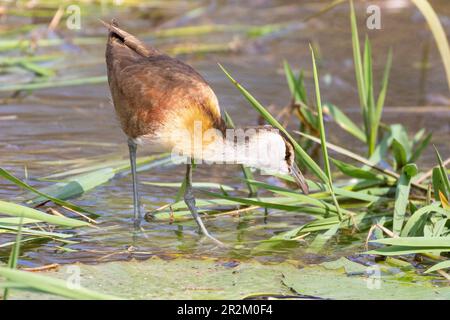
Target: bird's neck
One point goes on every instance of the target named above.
(255, 147)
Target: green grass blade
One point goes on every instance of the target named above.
(325, 9)
(371, 121)
(82, 183)
(200, 185)
(296, 85)
(15, 221)
(438, 182)
(355, 172)
(36, 69)
(323, 138)
(383, 91)
(302, 88)
(417, 242)
(443, 173)
(292, 81)
(33, 232)
(17, 210)
(399, 153)
(7, 175)
(438, 33)
(15, 252)
(401, 250)
(415, 224)
(344, 122)
(75, 186)
(291, 205)
(358, 63)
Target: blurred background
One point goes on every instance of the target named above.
(56, 114)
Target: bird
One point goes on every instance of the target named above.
(165, 105)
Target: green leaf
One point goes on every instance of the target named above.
(7, 175)
(289, 204)
(411, 170)
(371, 121)
(403, 250)
(344, 122)
(15, 252)
(315, 199)
(75, 186)
(293, 84)
(94, 176)
(308, 116)
(438, 182)
(399, 133)
(355, 172)
(383, 91)
(439, 266)
(200, 185)
(399, 154)
(415, 224)
(17, 210)
(442, 243)
(37, 69)
(443, 174)
(33, 232)
(402, 195)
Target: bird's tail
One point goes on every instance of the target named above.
(115, 33)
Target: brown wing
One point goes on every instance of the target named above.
(145, 84)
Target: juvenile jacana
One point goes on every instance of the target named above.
(165, 104)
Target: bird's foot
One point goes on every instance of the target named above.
(218, 242)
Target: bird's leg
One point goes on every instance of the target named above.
(132, 146)
(190, 202)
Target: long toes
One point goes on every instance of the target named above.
(219, 243)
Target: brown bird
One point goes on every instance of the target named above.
(165, 104)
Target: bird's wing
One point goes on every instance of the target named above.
(146, 84)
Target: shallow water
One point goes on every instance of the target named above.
(70, 123)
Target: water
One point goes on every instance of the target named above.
(75, 123)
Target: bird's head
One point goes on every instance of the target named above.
(275, 153)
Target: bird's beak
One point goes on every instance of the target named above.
(299, 178)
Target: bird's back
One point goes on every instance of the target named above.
(154, 93)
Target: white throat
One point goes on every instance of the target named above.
(262, 149)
